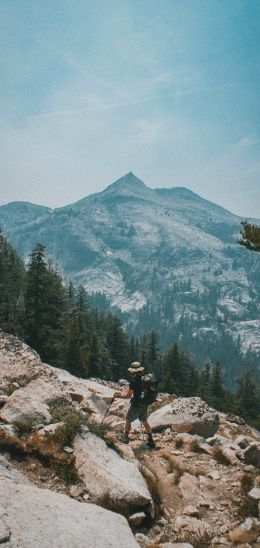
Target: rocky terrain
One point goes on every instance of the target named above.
(165, 259)
(67, 480)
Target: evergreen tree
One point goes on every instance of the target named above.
(12, 280)
(44, 300)
(247, 397)
(117, 342)
(216, 388)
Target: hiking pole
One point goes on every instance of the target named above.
(142, 430)
(107, 410)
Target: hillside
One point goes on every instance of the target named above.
(66, 480)
(165, 259)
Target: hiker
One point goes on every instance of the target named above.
(138, 406)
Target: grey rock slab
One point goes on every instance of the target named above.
(190, 415)
(105, 474)
(8, 472)
(254, 493)
(43, 518)
(5, 533)
(24, 406)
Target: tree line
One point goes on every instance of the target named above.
(56, 319)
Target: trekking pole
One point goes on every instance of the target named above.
(142, 430)
(107, 411)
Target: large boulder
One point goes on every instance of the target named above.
(31, 517)
(190, 415)
(109, 479)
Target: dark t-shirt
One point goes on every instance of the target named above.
(136, 385)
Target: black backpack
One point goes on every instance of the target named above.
(149, 388)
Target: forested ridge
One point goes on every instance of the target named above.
(56, 319)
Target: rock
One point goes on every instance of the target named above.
(5, 533)
(189, 489)
(190, 415)
(242, 441)
(76, 491)
(175, 545)
(3, 399)
(76, 397)
(108, 478)
(24, 408)
(43, 518)
(252, 454)
(7, 472)
(136, 519)
(214, 475)
(230, 455)
(68, 449)
(142, 540)
(189, 529)
(190, 511)
(254, 493)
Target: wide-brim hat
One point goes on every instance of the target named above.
(136, 367)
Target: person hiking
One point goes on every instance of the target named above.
(138, 408)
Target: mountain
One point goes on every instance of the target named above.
(165, 259)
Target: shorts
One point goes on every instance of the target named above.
(137, 411)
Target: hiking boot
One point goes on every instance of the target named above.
(124, 438)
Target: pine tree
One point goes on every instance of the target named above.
(247, 397)
(44, 301)
(216, 388)
(12, 280)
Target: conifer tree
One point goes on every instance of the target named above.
(247, 397)
(216, 388)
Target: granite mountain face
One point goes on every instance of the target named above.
(165, 259)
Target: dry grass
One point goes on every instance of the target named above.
(239, 536)
(247, 483)
(179, 443)
(174, 466)
(194, 446)
(219, 457)
(247, 507)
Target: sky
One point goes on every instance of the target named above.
(168, 89)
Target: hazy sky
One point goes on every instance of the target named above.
(168, 89)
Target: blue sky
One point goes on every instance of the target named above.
(168, 89)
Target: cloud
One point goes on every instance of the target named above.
(248, 141)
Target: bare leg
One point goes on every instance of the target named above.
(147, 427)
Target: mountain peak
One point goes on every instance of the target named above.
(129, 181)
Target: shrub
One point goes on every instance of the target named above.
(25, 426)
(71, 419)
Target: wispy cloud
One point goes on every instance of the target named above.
(98, 106)
(248, 141)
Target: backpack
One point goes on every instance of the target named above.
(149, 388)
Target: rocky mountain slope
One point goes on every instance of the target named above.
(66, 480)
(166, 259)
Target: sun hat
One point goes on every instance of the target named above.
(136, 367)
